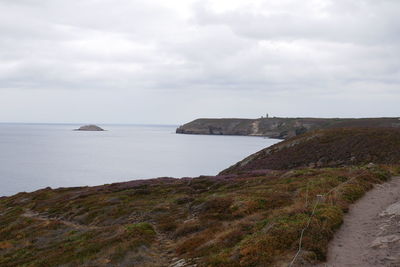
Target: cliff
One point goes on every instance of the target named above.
(249, 217)
(281, 128)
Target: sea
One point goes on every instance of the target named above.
(34, 156)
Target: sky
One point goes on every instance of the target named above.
(169, 62)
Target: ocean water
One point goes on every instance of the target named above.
(34, 156)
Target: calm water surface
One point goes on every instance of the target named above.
(34, 156)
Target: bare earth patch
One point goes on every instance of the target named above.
(370, 234)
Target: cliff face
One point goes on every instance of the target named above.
(281, 128)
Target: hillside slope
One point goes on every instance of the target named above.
(249, 217)
(232, 221)
(327, 148)
(281, 128)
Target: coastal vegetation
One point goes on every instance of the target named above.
(252, 214)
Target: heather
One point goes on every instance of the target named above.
(327, 148)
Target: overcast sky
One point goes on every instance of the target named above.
(168, 62)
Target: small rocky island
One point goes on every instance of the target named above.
(90, 127)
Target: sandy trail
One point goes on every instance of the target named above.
(370, 234)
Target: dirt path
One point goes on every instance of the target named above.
(37, 216)
(163, 253)
(370, 234)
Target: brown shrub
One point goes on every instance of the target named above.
(189, 227)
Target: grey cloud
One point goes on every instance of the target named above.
(365, 22)
(272, 50)
(345, 42)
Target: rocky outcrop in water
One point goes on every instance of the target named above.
(280, 128)
(90, 127)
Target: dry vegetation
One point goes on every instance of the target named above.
(251, 219)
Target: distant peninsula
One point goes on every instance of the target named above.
(90, 127)
(280, 128)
